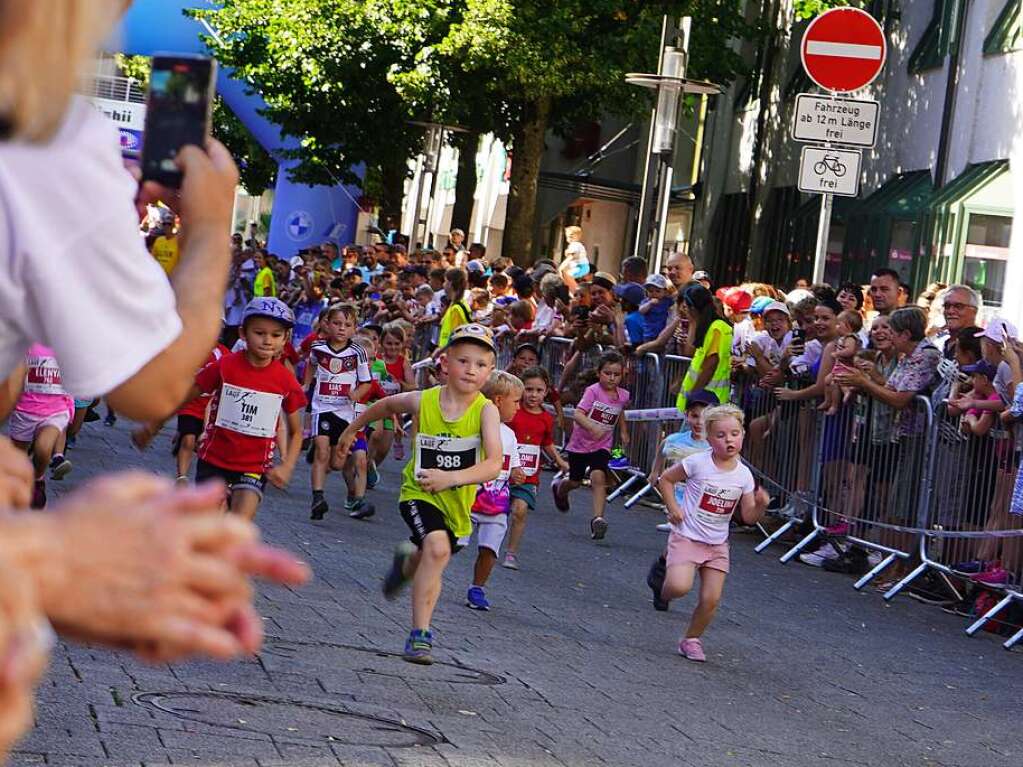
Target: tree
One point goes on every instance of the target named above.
(540, 64)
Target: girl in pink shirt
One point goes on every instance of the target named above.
(43, 412)
(596, 416)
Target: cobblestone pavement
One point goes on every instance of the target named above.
(571, 667)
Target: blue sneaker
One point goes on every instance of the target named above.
(477, 598)
(619, 461)
(372, 475)
(419, 647)
(395, 579)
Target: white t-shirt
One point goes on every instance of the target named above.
(771, 349)
(710, 497)
(77, 277)
(575, 261)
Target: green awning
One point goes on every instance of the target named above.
(970, 180)
(905, 195)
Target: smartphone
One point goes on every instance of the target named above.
(798, 336)
(178, 112)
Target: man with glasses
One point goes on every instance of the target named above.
(959, 305)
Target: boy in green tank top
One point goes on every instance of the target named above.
(456, 447)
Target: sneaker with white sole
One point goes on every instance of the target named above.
(511, 561)
(816, 558)
(664, 527)
(874, 558)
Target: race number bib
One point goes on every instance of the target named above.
(446, 453)
(334, 392)
(43, 377)
(717, 504)
(605, 414)
(249, 412)
(529, 459)
(390, 386)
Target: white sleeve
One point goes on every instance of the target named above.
(511, 447)
(84, 282)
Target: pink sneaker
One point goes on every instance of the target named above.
(691, 649)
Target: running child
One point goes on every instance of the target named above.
(394, 344)
(534, 432)
(338, 370)
(717, 484)
(527, 356)
(493, 500)
(41, 415)
(457, 446)
(596, 416)
(359, 472)
(250, 389)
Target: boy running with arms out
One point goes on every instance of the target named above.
(250, 389)
(457, 446)
(717, 485)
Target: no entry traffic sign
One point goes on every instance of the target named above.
(843, 49)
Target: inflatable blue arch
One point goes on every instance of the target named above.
(302, 215)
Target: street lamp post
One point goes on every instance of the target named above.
(433, 142)
(670, 83)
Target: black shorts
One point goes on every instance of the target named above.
(235, 480)
(578, 463)
(424, 518)
(189, 424)
(329, 425)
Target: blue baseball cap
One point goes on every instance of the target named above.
(759, 304)
(273, 308)
(632, 292)
(983, 367)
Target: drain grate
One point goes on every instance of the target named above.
(287, 721)
(367, 660)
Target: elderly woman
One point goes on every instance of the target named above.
(129, 561)
(916, 373)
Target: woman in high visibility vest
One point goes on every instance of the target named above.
(711, 337)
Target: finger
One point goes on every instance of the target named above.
(220, 157)
(15, 492)
(209, 532)
(204, 498)
(196, 638)
(247, 628)
(126, 487)
(270, 563)
(16, 717)
(217, 577)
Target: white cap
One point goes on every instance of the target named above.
(998, 330)
(776, 306)
(657, 281)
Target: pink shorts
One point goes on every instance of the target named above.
(685, 551)
(22, 427)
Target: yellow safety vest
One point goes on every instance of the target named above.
(720, 381)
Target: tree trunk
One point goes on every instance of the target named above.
(527, 151)
(392, 181)
(465, 185)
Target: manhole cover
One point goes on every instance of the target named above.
(367, 660)
(287, 720)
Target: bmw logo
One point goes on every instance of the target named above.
(299, 225)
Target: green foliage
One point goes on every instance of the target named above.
(807, 9)
(257, 169)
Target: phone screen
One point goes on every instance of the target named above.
(177, 113)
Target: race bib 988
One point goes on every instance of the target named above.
(446, 453)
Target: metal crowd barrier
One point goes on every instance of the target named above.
(673, 369)
(554, 355)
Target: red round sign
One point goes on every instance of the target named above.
(843, 49)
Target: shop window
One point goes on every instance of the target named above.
(939, 38)
(1006, 35)
(986, 255)
(900, 249)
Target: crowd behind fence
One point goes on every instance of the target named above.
(910, 495)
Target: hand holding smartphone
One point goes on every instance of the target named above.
(178, 113)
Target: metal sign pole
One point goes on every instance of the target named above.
(823, 233)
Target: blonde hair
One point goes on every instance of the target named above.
(44, 49)
(500, 383)
(573, 232)
(722, 413)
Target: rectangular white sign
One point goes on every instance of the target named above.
(125, 114)
(836, 121)
(829, 171)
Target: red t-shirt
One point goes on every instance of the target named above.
(241, 430)
(197, 407)
(307, 343)
(533, 431)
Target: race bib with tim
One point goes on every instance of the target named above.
(446, 453)
(249, 412)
